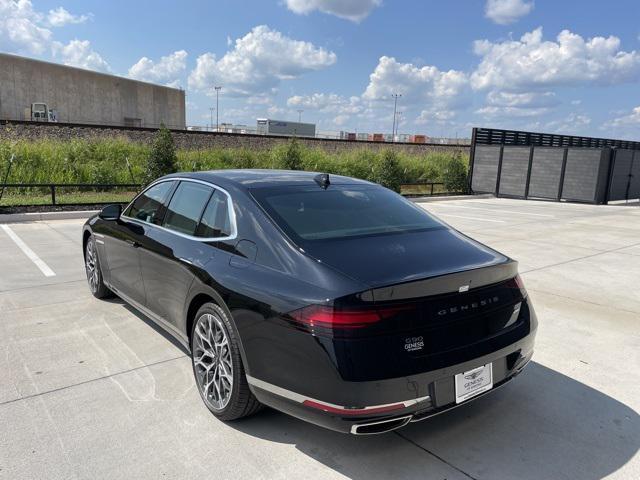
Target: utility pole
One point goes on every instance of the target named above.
(217, 109)
(398, 117)
(211, 109)
(395, 107)
(299, 115)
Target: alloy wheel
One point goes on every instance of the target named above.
(91, 265)
(212, 361)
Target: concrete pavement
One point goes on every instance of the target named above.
(92, 389)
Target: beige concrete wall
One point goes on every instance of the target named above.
(83, 96)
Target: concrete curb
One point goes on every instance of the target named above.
(46, 216)
(444, 198)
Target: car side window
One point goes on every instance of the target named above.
(148, 207)
(186, 206)
(215, 219)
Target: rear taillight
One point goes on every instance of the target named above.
(328, 317)
(518, 283)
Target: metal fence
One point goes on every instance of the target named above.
(36, 194)
(533, 165)
(57, 194)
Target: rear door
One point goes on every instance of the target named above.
(170, 255)
(124, 237)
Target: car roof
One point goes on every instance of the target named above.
(255, 178)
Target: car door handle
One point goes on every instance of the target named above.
(133, 243)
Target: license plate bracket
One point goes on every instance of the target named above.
(473, 382)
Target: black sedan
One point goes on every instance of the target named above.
(326, 297)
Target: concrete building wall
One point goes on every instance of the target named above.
(83, 96)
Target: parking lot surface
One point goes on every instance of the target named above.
(91, 389)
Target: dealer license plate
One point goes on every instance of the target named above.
(474, 382)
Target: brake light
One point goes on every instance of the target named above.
(518, 283)
(326, 316)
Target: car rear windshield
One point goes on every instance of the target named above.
(314, 214)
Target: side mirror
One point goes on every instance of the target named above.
(110, 212)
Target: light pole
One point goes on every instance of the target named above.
(211, 109)
(398, 117)
(395, 106)
(217, 109)
(299, 115)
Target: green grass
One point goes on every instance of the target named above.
(122, 161)
(74, 198)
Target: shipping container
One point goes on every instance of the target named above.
(266, 126)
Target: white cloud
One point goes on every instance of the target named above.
(342, 109)
(341, 120)
(520, 65)
(327, 102)
(22, 28)
(25, 30)
(627, 120)
(522, 100)
(431, 116)
(504, 12)
(258, 62)
(418, 85)
(166, 70)
(354, 10)
(491, 112)
(59, 17)
(78, 53)
(434, 96)
(574, 123)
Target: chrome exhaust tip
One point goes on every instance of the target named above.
(382, 426)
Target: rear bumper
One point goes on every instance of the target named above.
(392, 403)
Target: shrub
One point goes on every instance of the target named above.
(162, 158)
(454, 175)
(390, 173)
(292, 156)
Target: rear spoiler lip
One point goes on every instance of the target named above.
(450, 282)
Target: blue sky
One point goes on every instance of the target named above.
(560, 66)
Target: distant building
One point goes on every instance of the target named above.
(232, 128)
(266, 126)
(42, 91)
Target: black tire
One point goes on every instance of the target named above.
(94, 272)
(240, 402)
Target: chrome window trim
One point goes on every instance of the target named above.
(231, 211)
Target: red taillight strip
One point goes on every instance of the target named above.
(327, 316)
(352, 411)
(330, 407)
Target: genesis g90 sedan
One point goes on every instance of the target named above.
(329, 298)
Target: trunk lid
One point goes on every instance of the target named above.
(393, 259)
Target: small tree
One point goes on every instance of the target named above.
(455, 175)
(292, 156)
(390, 173)
(162, 158)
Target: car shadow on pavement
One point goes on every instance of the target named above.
(134, 311)
(543, 425)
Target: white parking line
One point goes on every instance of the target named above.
(44, 268)
(470, 218)
(498, 210)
